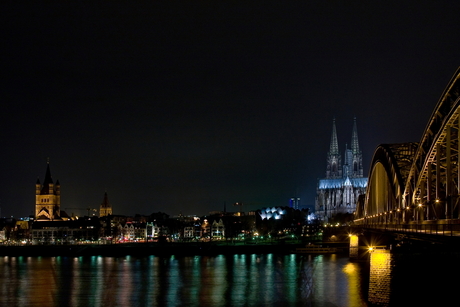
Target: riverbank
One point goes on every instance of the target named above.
(145, 249)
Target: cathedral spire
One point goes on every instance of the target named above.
(354, 138)
(334, 148)
(357, 156)
(334, 164)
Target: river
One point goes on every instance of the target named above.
(223, 280)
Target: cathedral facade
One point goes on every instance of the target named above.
(338, 192)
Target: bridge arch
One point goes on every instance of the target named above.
(418, 182)
(384, 194)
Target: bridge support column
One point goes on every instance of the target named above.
(438, 203)
(408, 215)
(455, 199)
(354, 246)
(448, 174)
(429, 196)
(421, 202)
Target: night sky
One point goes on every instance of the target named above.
(181, 107)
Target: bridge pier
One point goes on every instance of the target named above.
(361, 244)
(354, 247)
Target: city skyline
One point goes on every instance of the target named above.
(184, 108)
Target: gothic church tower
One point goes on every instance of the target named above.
(357, 155)
(47, 199)
(334, 163)
(339, 191)
(353, 166)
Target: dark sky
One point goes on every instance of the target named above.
(181, 107)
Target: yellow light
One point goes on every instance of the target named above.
(354, 241)
(349, 268)
(371, 248)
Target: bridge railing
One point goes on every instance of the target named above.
(431, 229)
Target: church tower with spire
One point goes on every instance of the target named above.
(105, 208)
(334, 162)
(47, 198)
(338, 192)
(357, 156)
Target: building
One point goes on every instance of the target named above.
(105, 208)
(151, 231)
(218, 229)
(65, 232)
(47, 199)
(339, 191)
(294, 202)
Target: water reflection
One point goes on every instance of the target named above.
(380, 277)
(232, 280)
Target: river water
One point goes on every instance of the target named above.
(224, 280)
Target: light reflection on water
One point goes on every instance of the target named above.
(230, 280)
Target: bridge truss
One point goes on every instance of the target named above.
(418, 182)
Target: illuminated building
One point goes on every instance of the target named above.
(272, 213)
(105, 208)
(295, 203)
(205, 229)
(129, 232)
(47, 199)
(218, 229)
(151, 230)
(339, 191)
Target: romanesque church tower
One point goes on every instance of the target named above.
(47, 199)
(338, 192)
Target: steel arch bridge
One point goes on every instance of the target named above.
(418, 183)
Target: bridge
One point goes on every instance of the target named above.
(415, 187)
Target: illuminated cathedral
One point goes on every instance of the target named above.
(338, 192)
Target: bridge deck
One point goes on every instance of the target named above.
(451, 230)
